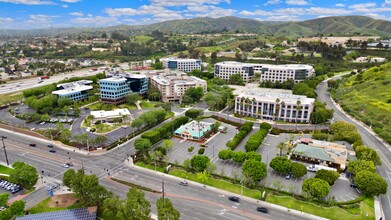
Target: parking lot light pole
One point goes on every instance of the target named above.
(5, 151)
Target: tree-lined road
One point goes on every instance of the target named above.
(369, 140)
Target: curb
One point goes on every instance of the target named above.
(248, 199)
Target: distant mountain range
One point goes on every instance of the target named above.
(340, 25)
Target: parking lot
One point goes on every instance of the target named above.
(13, 189)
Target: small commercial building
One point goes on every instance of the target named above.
(194, 130)
(325, 153)
(74, 90)
(110, 116)
(87, 213)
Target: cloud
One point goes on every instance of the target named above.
(282, 18)
(210, 11)
(329, 11)
(377, 16)
(296, 2)
(29, 2)
(339, 5)
(255, 13)
(159, 13)
(272, 2)
(174, 3)
(6, 19)
(363, 5)
(387, 2)
(71, 1)
(64, 6)
(78, 14)
(369, 8)
(290, 11)
(96, 21)
(116, 12)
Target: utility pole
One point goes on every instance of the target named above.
(5, 151)
(163, 189)
(82, 166)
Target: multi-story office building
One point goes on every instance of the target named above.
(282, 73)
(173, 85)
(225, 70)
(270, 104)
(274, 73)
(74, 90)
(186, 65)
(113, 90)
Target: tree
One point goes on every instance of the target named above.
(281, 164)
(366, 153)
(166, 211)
(4, 199)
(100, 139)
(370, 183)
(203, 176)
(193, 113)
(132, 98)
(24, 175)
(251, 155)
(298, 109)
(327, 175)
(45, 117)
(361, 165)
(298, 169)
(226, 154)
(281, 146)
(81, 138)
(17, 208)
(65, 136)
(167, 144)
(158, 66)
(137, 123)
(135, 206)
(315, 188)
(239, 157)
(190, 149)
(68, 177)
(253, 169)
(213, 57)
(142, 145)
(199, 162)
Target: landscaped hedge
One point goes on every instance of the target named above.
(236, 124)
(164, 131)
(243, 132)
(256, 139)
(277, 131)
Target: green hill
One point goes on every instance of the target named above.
(338, 25)
(367, 96)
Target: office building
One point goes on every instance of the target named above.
(266, 72)
(114, 89)
(173, 84)
(74, 90)
(186, 65)
(110, 116)
(270, 104)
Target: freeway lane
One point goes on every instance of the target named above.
(369, 140)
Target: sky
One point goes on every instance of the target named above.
(31, 14)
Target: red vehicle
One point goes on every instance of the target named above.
(44, 77)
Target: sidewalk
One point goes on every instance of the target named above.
(220, 191)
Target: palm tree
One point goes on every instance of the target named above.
(298, 109)
(243, 103)
(277, 111)
(253, 105)
(281, 146)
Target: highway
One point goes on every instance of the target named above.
(194, 201)
(369, 140)
(19, 85)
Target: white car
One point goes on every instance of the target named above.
(65, 165)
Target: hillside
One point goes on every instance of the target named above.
(338, 25)
(367, 96)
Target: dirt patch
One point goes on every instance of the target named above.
(62, 201)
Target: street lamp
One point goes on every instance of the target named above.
(5, 151)
(124, 127)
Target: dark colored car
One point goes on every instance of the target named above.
(288, 176)
(52, 151)
(183, 183)
(262, 209)
(69, 164)
(50, 145)
(353, 185)
(33, 145)
(234, 198)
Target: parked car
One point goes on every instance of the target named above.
(17, 189)
(65, 165)
(42, 123)
(183, 183)
(234, 198)
(69, 164)
(50, 145)
(288, 176)
(262, 209)
(352, 184)
(33, 145)
(52, 151)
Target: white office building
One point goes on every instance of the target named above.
(272, 104)
(186, 65)
(225, 70)
(273, 73)
(173, 84)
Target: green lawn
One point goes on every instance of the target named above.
(44, 207)
(144, 104)
(367, 206)
(221, 184)
(5, 170)
(151, 167)
(11, 97)
(128, 106)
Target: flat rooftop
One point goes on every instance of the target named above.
(113, 79)
(271, 95)
(110, 114)
(194, 128)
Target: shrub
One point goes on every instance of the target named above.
(327, 175)
(239, 156)
(193, 113)
(190, 149)
(255, 140)
(281, 164)
(201, 151)
(243, 131)
(298, 169)
(226, 154)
